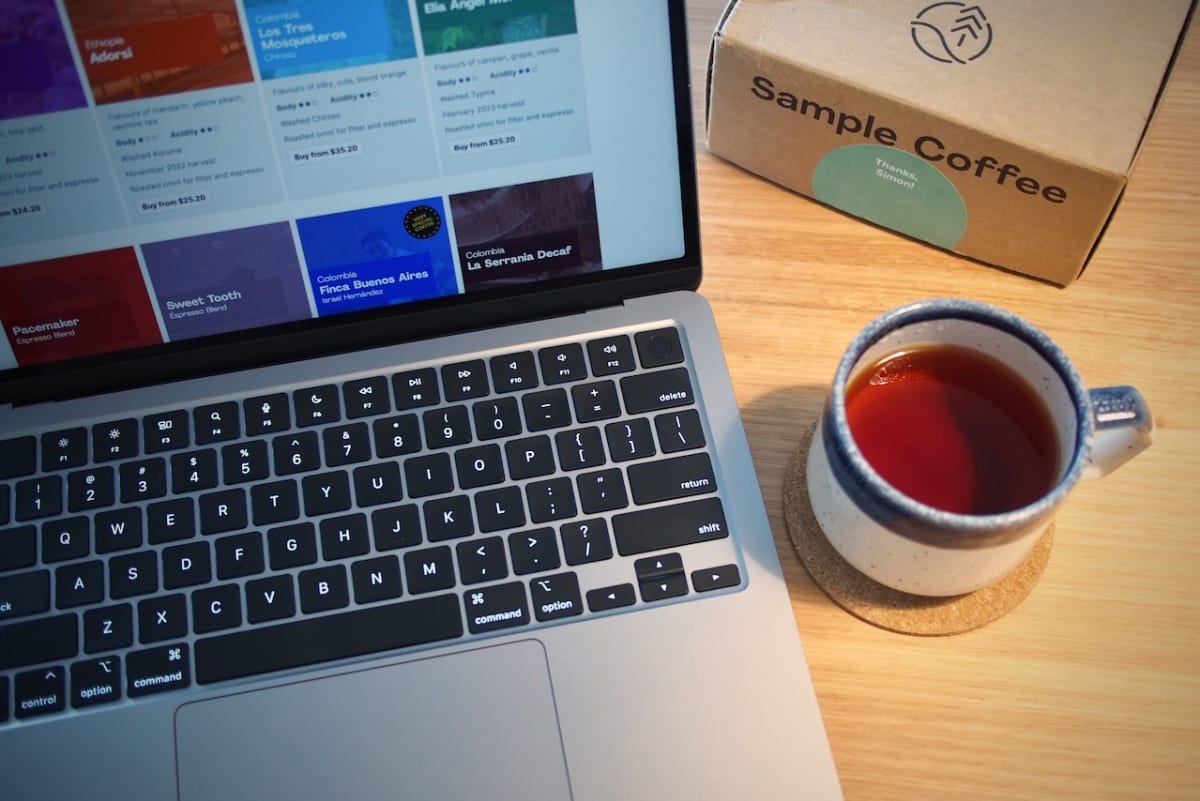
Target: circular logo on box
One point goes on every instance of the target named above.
(952, 33)
(422, 222)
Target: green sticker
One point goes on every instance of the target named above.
(894, 189)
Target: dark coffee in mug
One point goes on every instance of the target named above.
(954, 429)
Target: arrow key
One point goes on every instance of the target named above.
(653, 567)
(40, 692)
(716, 578)
(659, 589)
(603, 599)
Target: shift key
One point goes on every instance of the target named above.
(663, 527)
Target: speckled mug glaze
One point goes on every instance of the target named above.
(919, 549)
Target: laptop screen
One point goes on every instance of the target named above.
(195, 171)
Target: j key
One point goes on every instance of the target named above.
(366, 397)
(669, 479)
(415, 389)
(595, 401)
(40, 692)
(18, 547)
(500, 606)
(514, 371)
(31, 642)
(39, 497)
(659, 347)
(662, 527)
(296, 453)
(63, 449)
(497, 418)
(629, 439)
(610, 355)
(562, 363)
(24, 594)
(547, 409)
(555, 597)
(317, 405)
(446, 427)
(157, 670)
(347, 444)
(396, 527)
(267, 414)
(321, 639)
(246, 461)
(143, 480)
(194, 472)
(465, 380)
(165, 431)
(18, 457)
(69, 538)
(679, 431)
(91, 489)
(95, 681)
(662, 389)
(217, 422)
(115, 440)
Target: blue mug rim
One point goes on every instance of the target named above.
(918, 521)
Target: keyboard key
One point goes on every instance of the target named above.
(652, 392)
(267, 414)
(133, 574)
(579, 448)
(562, 363)
(610, 355)
(5, 504)
(553, 499)
(317, 405)
(271, 598)
(348, 444)
(18, 548)
(94, 488)
(679, 431)
(223, 511)
(555, 597)
(186, 565)
(482, 560)
(95, 681)
(664, 587)
(652, 567)
(322, 639)
(448, 518)
(465, 380)
(69, 538)
(162, 618)
(276, 502)
(239, 555)
(429, 570)
(663, 527)
(64, 449)
(4, 713)
(377, 484)
(38, 498)
(499, 509)
(246, 461)
(415, 389)
(546, 409)
(43, 640)
(596, 401)
(668, 479)
(78, 584)
(428, 475)
(24, 594)
(629, 439)
(195, 471)
(366, 397)
(602, 491)
(107, 629)
(396, 527)
(165, 431)
(514, 371)
(171, 521)
(585, 541)
(659, 347)
(40, 692)
(216, 608)
(326, 493)
(143, 480)
(530, 457)
(296, 453)
(323, 589)
(498, 418)
(602, 599)
(292, 546)
(716, 578)
(344, 537)
(115, 440)
(533, 551)
(217, 422)
(446, 427)
(376, 579)
(118, 530)
(157, 670)
(500, 606)
(18, 457)
(397, 436)
(479, 467)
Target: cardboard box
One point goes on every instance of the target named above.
(1003, 131)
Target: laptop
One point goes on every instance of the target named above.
(362, 435)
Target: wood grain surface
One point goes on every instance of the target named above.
(1090, 689)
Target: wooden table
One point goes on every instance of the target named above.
(1090, 689)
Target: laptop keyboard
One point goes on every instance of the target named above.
(242, 537)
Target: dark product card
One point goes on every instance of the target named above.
(528, 232)
(76, 306)
(227, 281)
(37, 73)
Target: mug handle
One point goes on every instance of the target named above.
(1124, 428)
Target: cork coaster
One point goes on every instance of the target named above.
(882, 606)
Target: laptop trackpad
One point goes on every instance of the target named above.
(480, 724)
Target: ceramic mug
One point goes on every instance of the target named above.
(934, 488)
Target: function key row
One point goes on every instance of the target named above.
(329, 403)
